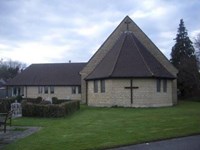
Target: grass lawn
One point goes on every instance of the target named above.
(98, 128)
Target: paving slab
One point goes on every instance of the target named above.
(14, 133)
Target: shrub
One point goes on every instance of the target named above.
(19, 98)
(51, 110)
(54, 100)
(5, 104)
(39, 99)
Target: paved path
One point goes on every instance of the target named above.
(15, 132)
(184, 143)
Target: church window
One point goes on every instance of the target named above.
(73, 90)
(103, 86)
(164, 85)
(95, 86)
(158, 84)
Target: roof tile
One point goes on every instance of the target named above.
(129, 58)
(49, 74)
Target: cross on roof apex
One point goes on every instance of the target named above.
(127, 22)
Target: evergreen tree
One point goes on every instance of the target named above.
(197, 45)
(184, 59)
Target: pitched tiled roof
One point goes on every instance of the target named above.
(114, 36)
(129, 58)
(49, 74)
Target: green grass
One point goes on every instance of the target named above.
(98, 128)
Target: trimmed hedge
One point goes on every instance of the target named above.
(55, 100)
(49, 110)
(34, 100)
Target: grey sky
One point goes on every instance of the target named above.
(39, 31)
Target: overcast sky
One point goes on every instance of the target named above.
(53, 31)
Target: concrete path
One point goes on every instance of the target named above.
(16, 132)
(184, 143)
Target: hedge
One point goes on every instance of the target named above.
(55, 100)
(49, 110)
(34, 100)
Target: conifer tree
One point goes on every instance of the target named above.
(184, 59)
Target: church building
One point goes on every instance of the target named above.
(128, 70)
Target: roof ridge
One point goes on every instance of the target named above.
(148, 68)
(58, 63)
(117, 55)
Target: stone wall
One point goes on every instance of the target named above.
(116, 94)
(61, 92)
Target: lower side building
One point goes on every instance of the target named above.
(47, 92)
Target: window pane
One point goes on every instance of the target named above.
(95, 86)
(102, 86)
(164, 85)
(22, 91)
(79, 89)
(46, 90)
(73, 90)
(40, 89)
(52, 89)
(14, 91)
(158, 85)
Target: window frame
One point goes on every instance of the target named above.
(52, 90)
(79, 89)
(158, 85)
(103, 86)
(73, 89)
(40, 89)
(46, 89)
(165, 85)
(95, 86)
(14, 92)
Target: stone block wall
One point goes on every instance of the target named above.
(116, 94)
(61, 92)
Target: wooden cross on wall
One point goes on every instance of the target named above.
(131, 87)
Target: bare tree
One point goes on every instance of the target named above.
(9, 68)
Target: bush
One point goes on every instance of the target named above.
(39, 99)
(51, 110)
(19, 98)
(5, 104)
(55, 100)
